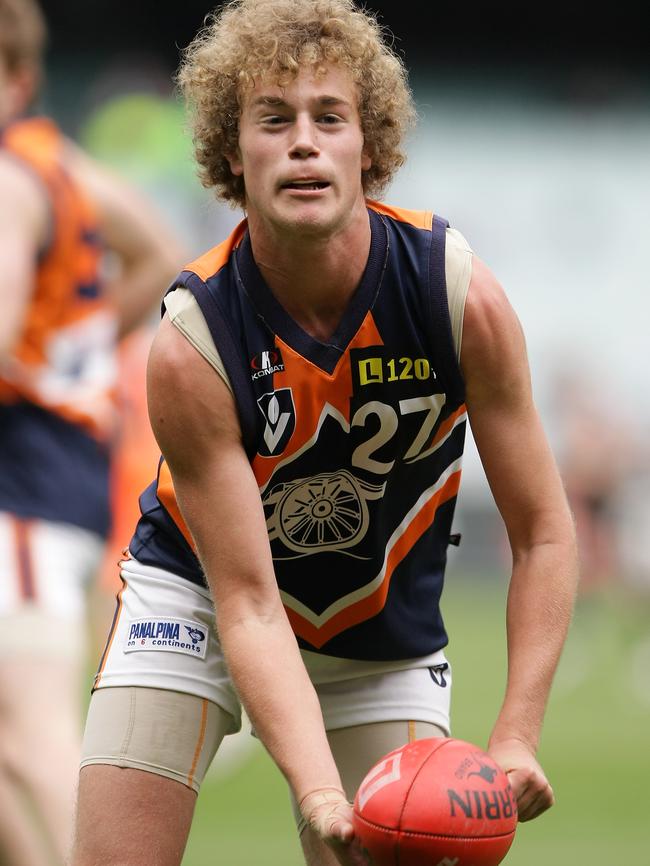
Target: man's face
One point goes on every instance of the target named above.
(301, 152)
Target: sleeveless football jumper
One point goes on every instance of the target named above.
(57, 411)
(356, 443)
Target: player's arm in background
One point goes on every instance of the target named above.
(528, 491)
(23, 228)
(195, 422)
(146, 254)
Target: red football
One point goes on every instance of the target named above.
(436, 802)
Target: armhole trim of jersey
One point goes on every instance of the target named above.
(438, 301)
(458, 265)
(230, 355)
(191, 323)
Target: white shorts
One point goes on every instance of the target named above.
(163, 637)
(45, 571)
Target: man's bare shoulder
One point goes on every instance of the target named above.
(487, 306)
(493, 353)
(190, 407)
(177, 369)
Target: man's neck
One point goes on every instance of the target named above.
(315, 279)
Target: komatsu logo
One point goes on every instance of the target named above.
(167, 635)
(266, 363)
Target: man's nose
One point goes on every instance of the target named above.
(304, 142)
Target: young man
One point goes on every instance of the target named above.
(59, 214)
(309, 387)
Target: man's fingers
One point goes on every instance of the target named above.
(329, 814)
(342, 830)
(533, 793)
(350, 854)
(533, 802)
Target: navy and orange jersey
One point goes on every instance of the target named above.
(57, 403)
(356, 443)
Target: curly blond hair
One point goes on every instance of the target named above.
(246, 39)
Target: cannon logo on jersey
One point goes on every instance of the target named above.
(325, 512)
(266, 363)
(279, 420)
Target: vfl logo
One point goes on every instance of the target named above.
(266, 363)
(280, 419)
(382, 774)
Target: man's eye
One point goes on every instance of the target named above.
(274, 119)
(329, 118)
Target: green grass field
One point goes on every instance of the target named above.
(595, 748)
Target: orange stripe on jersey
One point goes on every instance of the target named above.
(421, 219)
(373, 603)
(443, 432)
(165, 493)
(22, 533)
(448, 424)
(111, 636)
(209, 263)
(312, 389)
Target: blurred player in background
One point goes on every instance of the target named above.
(309, 387)
(84, 260)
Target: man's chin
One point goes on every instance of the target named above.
(310, 221)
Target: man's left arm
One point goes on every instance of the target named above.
(527, 488)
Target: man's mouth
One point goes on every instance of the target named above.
(305, 184)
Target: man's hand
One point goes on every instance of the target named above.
(329, 814)
(530, 786)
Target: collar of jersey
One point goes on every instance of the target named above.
(324, 355)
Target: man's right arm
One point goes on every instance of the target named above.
(23, 221)
(195, 422)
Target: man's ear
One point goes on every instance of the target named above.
(366, 161)
(235, 162)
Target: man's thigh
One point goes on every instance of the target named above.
(357, 749)
(162, 699)
(145, 754)
(163, 637)
(166, 733)
(130, 817)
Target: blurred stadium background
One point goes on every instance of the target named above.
(535, 142)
